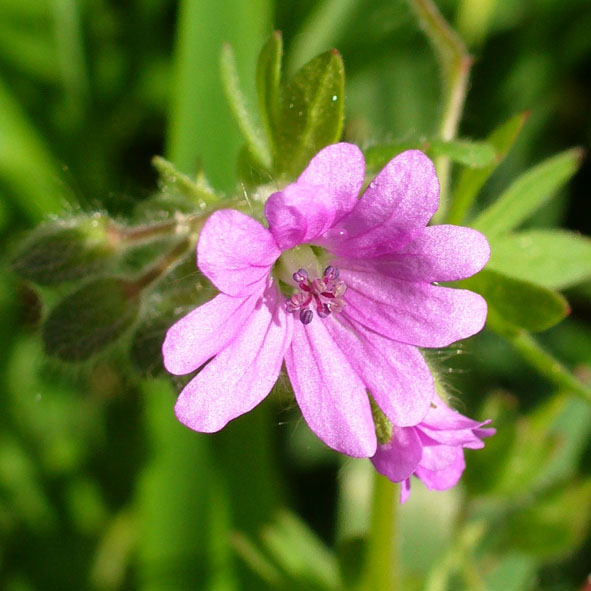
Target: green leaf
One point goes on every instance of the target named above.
(268, 77)
(468, 153)
(311, 112)
(91, 318)
(471, 181)
(64, 251)
(378, 156)
(514, 304)
(553, 258)
(512, 572)
(300, 553)
(529, 192)
(254, 139)
(553, 525)
(471, 154)
(534, 444)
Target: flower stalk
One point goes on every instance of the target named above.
(382, 567)
(455, 63)
(548, 365)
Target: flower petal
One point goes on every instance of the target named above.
(241, 375)
(414, 313)
(300, 213)
(331, 396)
(446, 478)
(404, 491)
(398, 459)
(440, 253)
(340, 168)
(205, 331)
(396, 374)
(449, 427)
(437, 457)
(393, 211)
(236, 253)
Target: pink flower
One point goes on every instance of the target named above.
(431, 450)
(341, 288)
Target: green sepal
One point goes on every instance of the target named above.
(514, 304)
(90, 319)
(381, 422)
(553, 258)
(528, 193)
(146, 344)
(472, 180)
(198, 192)
(311, 112)
(251, 172)
(178, 293)
(268, 77)
(65, 251)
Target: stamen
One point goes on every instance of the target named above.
(300, 275)
(306, 316)
(325, 294)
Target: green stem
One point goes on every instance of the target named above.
(455, 63)
(382, 566)
(548, 366)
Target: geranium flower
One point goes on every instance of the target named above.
(432, 450)
(339, 287)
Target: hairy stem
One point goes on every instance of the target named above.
(548, 366)
(382, 565)
(455, 63)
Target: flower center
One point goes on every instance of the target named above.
(322, 294)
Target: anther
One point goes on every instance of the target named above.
(300, 275)
(324, 295)
(306, 316)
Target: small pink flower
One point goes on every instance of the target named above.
(432, 450)
(339, 287)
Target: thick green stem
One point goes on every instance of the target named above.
(455, 63)
(547, 365)
(382, 565)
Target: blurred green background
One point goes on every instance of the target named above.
(100, 488)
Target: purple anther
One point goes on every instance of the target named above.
(306, 316)
(320, 294)
(323, 310)
(331, 273)
(300, 275)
